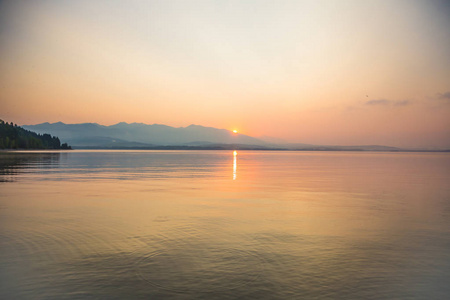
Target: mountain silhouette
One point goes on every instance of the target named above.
(125, 135)
(157, 136)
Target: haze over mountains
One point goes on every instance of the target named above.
(139, 135)
(142, 136)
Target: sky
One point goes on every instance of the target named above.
(320, 72)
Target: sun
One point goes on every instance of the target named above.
(235, 131)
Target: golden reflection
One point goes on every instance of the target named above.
(234, 164)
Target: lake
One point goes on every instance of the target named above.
(224, 225)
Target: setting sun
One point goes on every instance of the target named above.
(235, 131)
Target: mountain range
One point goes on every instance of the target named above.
(156, 136)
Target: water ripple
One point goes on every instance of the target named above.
(199, 268)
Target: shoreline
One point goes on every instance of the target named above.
(189, 148)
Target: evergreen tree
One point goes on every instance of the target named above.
(15, 137)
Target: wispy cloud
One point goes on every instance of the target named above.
(402, 103)
(386, 102)
(378, 102)
(439, 99)
(444, 96)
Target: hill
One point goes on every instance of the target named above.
(15, 137)
(157, 136)
(139, 135)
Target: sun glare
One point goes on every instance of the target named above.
(234, 165)
(235, 131)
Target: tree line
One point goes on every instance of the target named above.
(15, 137)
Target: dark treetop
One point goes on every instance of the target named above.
(15, 137)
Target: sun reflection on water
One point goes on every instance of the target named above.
(234, 165)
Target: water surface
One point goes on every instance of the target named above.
(224, 225)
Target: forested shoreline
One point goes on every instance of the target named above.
(13, 136)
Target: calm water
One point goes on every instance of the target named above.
(211, 224)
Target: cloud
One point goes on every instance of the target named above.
(378, 102)
(385, 102)
(440, 99)
(444, 96)
(402, 103)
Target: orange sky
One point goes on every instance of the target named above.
(321, 72)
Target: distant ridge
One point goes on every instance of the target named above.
(139, 135)
(159, 136)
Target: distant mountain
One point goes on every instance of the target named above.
(142, 136)
(139, 135)
(108, 143)
(306, 147)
